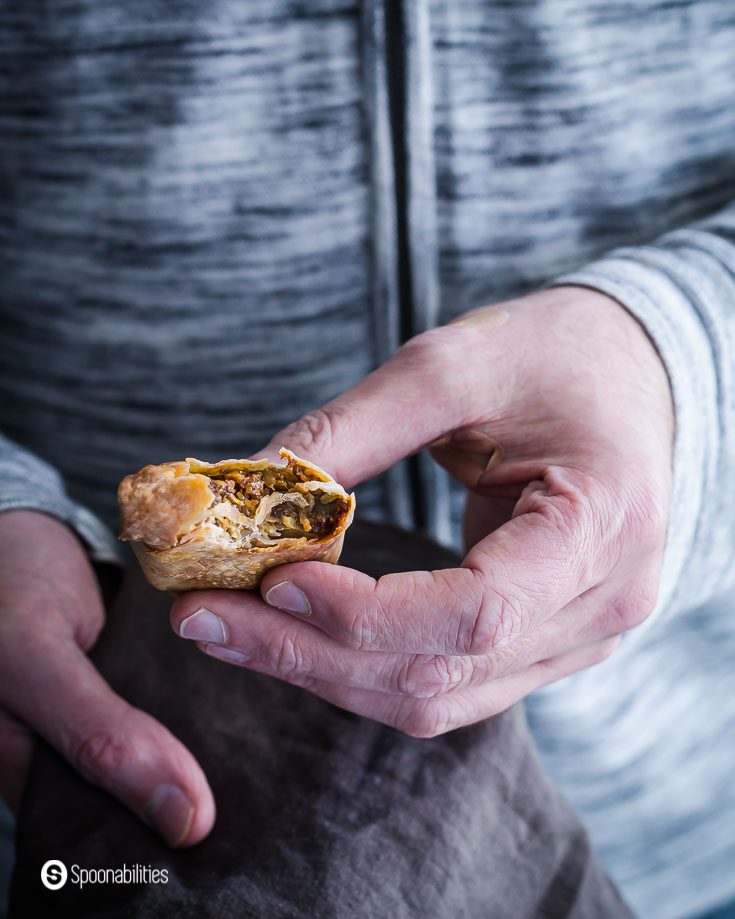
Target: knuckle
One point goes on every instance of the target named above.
(496, 622)
(438, 348)
(100, 754)
(634, 607)
(568, 497)
(426, 676)
(362, 628)
(573, 507)
(360, 632)
(316, 431)
(284, 654)
(425, 720)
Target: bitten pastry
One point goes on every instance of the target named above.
(196, 525)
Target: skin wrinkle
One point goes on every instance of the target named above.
(496, 628)
(387, 596)
(512, 599)
(100, 754)
(472, 617)
(402, 682)
(365, 629)
(285, 656)
(445, 673)
(577, 524)
(317, 431)
(467, 601)
(449, 673)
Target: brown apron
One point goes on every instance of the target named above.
(321, 814)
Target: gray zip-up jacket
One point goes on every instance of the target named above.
(217, 215)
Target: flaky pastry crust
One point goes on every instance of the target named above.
(195, 525)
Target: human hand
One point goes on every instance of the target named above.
(50, 614)
(565, 534)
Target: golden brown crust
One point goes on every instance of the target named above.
(160, 504)
(202, 567)
(172, 518)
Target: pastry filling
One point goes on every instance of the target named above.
(259, 508)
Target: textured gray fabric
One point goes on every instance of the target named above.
(188, 184)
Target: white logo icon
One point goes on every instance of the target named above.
(54, 874)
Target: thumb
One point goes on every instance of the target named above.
(422, 392)
(113, 745)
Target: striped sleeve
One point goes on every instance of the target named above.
(681, 288)
(27, 482)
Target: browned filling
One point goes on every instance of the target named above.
(314, 521)
(304, 513)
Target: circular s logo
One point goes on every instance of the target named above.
(54, 874)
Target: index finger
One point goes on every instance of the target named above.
(521, 574)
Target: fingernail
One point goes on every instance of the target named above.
(289, 598)
(495, 460)
(203, 625)
(474, 440)
(226, 654)
(442, 441)
(171, 812)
